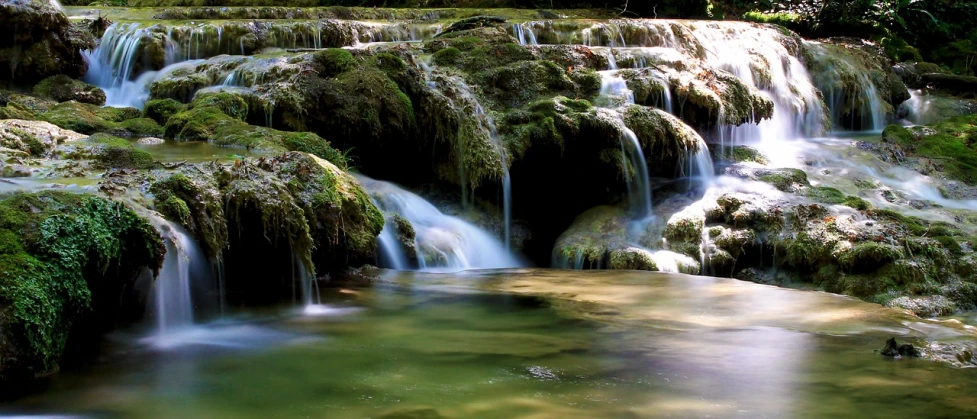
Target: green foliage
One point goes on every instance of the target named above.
(54, 248)
(785, 19)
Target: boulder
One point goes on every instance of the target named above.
(42, 42)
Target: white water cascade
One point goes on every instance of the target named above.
(614, 92)
(171, 300)
(442, 242)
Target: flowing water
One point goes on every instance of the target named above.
(541, 344)
(442, 242)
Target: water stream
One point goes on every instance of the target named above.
(531, 343)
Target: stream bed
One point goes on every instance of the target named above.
(529, 343)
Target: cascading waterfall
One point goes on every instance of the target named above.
(442, 242)
(614, 92)
(524, 34)
(172, 304)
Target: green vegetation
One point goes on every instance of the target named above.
(60, 255)
(950, 145)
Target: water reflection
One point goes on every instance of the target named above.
(537, 343)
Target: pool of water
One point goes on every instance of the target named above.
(530, 343)
(193, 152)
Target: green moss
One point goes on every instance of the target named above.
(78, 117)
(175, 209)
(334, 61)
(785, 19)
(522, 81)
(16, 111)
(160, 110)
(447, 57)
(951, 145)
(56, 251)
(142, 127)
(62, 88)
(911, 225)
(832, 196)
(742, 154)
(868, 256)
(23, 141)
(205, 208)
(785, 180)
(230, 104)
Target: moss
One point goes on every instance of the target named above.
(589, 241)
(741, 154)
(516, 83)
(631, 259)
(205, 208)
(867, 256)
(344, 223)
(588, 82)
(160, 110)
(334, 61)
(785, 19)
(786, 180)
(77, 117)
(63, 256)
(230, 104)
(832, 196)
(209, 123)
(950, 145)
(142, 127)
(447, 57)
(16, 111)
(110, 152)
(175, 209)
(62, 88)
(911, 225)
(20, 139)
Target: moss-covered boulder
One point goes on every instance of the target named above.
(192, 198)
(945, 149)
(591, 238)
(41, 42)
(65, 261)
(62, 88)
(89, 119)
(160, 110)
(109, 152)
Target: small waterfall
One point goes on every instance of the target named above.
(524, 34)
(442, 242)
(172, 304)
(614, 92)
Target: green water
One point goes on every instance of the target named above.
(532, 344)
(193, 152)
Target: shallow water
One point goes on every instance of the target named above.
(532, 343)
(194, 152)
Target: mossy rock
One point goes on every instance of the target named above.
(160, 110)
(745, 154)
(142, 127)
(787, 180)
(591, 239)
(209, 123)
(516, 83)
(116, 153)
(230, 104)
(343, 222)
(949, 145)
(832, 196)
(198, 192)
(62, 88)
(334, 61)
(89, 119)
(65, 260)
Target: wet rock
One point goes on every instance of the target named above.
(954, 354)
(895, 350)
(40, 42)
(38, 138)
(62, 88)
(150, 141)
(959, 85)
(930, 306)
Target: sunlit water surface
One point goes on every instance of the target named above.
(531, 343)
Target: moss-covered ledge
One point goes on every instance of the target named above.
(65, 261)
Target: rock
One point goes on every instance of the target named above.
(35, 137)
(40, 42)
(150, 141)
(959, 85)
(895, 350)
(62, 88)
(930, 306)
(51, 282)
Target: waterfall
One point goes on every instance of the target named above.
(442, 242)
(614, 92)
(172, 305)
(524, 34)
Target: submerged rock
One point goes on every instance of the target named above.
(894, 349)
